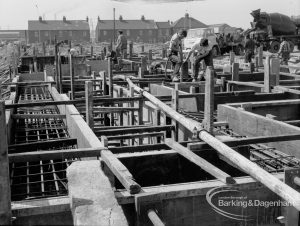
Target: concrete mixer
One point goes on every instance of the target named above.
(267, 28)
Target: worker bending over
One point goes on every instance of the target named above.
(202, 48)
(175, 53)
(284, 50)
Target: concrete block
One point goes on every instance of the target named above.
(92, 199)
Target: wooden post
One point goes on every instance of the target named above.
(231, 57)
(251, 65)
(209, 100)
(35, 64)
(89, 69)
(256, 64)
(5, 202)
(142, 48)
(260, 56)
(121, 118)
(59, 74)
(267, 79)
(110, 78)
(104, 141)
(156, 121)
(131, 114)
(235, 72)
(274, 71)
(130, 50)
(70, 44)
(143, 67)
(150, 54)
(71, 76)
(92, 51)
(175, 95)
(89, 104)
(223, 84)
(140, 117)
(104, 86)
(70, 95)
(192, 89)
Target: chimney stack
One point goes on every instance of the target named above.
(64, 19)
(98, 18)
(120, 18)
(40, 19)
(143, 17)
(87, 19)
(186, 15)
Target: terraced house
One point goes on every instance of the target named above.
(47, 30)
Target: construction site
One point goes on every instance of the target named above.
(85, 140)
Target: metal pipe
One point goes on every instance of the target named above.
(156, 221)
(297, 181)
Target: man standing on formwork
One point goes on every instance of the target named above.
(175, 53)
(249, 49)
(121, 46)
(284, 51)
(204, 52)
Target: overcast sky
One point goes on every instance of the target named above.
(14, 14)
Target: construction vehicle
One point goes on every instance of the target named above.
(268, 28)
(219, 46)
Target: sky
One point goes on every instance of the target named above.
(14, 14)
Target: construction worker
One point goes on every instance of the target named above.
(121, 46)
(284, 50)
(249, 49)
(175, 53)
(203, 53)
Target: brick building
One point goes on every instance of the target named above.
(46, 30)
(186, 23)
(135, 30)
(164, 32)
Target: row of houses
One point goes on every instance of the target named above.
(142, 30)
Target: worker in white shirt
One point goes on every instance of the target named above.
(203, 50)
(175, 52)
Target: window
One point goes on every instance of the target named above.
(128, 32)
(70, 33)
(141, 32)
(104, 33)
(46, 33)
(84, 34)
(167, 32)
(36, 34)
(150, 32)
(60, 33)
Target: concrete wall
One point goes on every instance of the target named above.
(249, 124)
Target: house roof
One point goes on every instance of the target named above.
(163, 25)
(188, 22)
(126, 24)
(58, 25)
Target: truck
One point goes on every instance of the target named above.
(268, 28)
(218, 46)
